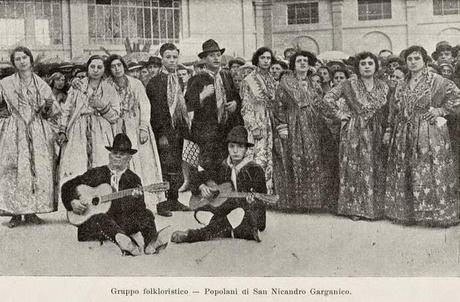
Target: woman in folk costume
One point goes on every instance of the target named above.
(300, 183)
(27, 168)
(362, 154)
(135, 122)
(170, 123)
(88, 122)
(258, 94)
(422, 185)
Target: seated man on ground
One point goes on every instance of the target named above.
(127, 216)
(236, 217)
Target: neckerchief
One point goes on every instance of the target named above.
(125, 93)
(115, 178)
(236, 169)
(221, 98)
(176, 100)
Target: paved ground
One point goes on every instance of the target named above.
(293, 245)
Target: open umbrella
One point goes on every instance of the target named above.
(333, 55)
(137, 56)
(81, 59)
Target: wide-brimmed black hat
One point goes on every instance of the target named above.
(121, 143)
(239, 135)
(210, 46)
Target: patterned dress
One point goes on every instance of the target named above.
(135, 116)
(88, 130)
(361, 151)
(301, 184)
(27, 167)
(421, 182)
(258, 94)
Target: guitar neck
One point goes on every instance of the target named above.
(128, 192)
(234, 194)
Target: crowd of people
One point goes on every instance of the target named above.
(369, 137)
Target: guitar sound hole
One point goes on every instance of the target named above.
(95, 201)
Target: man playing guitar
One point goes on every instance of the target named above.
(127, 216)
(237, 217)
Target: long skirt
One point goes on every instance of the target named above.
(27, 167)
(85, 149)
(146, 162)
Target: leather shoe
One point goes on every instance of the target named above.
(175, 205)
(33, 219)
(155, 247)
(15, 221)
(179, 236)
(163, 210)
(126, 245)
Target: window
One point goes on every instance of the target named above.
(47, 16)
(446, 7)
(112, 21)
(374, 9)
(302, 13)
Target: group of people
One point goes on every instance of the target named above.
(370, 137)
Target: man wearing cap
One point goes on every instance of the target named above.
(153, 65)
(444, 53)
(234, 64)
(237, 217)
(216, 104)
(134, 69)
(127, 216)
(170, 123)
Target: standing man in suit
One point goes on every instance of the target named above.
(216, 104)
(170, 123)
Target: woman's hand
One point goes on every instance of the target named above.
(230, 106)
(143, 136)
(61, 139)
(432, 113)
(283, 131)
(76, 83)
(163, 142)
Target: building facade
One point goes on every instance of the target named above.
(355, 25)
(70, 28)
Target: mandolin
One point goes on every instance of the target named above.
(99, 199)
(223, 192)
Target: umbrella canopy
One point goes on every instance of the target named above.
(333, 55)
(137, 57)
(80, 60)
(52, 60)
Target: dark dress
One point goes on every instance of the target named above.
(206, 131)
(127, 215)
(250, 177)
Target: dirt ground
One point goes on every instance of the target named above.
(316, 245)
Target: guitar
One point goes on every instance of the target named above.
(223, 192)
(99, 199)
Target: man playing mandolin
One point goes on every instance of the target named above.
(236, 217)
(127, 216)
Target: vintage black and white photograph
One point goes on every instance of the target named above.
(230, 138)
